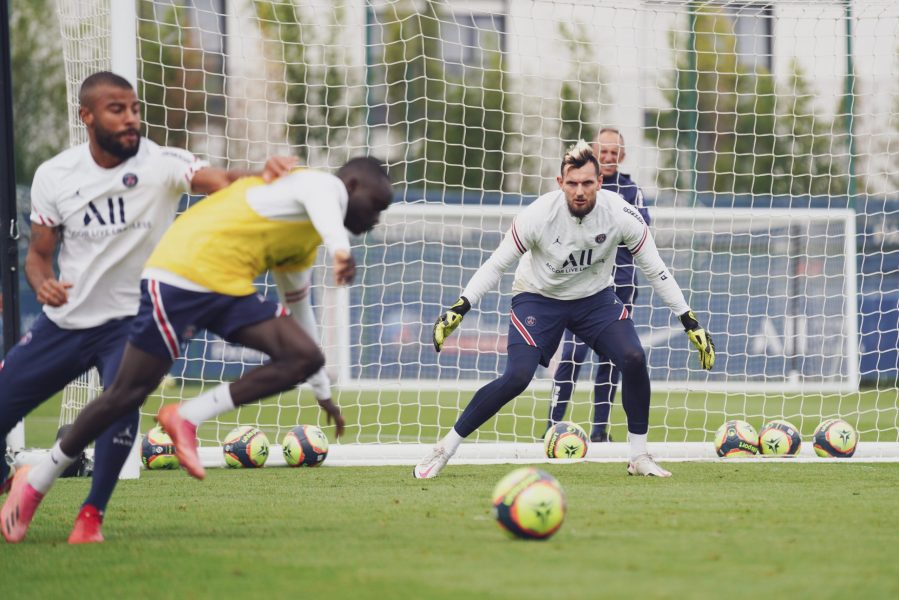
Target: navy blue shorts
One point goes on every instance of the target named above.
(540, 321)
(48, 358)
(169, 316)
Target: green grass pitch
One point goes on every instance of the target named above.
(826, 530)
(713, 530)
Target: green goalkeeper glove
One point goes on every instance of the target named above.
(448, 321)
(700, 338)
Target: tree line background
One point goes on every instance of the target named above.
(461, 128)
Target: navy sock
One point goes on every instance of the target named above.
(520, 368)
(110, 452)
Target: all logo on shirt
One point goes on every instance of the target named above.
(600, 238)
(585, 259)
(106, 215)
(129, 180)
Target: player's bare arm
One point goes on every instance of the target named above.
(293, 291)
(39, 266)
(344, 267)
(334, 415)
(212, 179)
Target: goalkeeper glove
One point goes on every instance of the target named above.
(448, 321)
(700, 338)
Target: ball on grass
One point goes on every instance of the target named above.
(779, 438)
(305, 446)
(529, 504)
(245, 447)
(835, 438)
(736, 438)
(157, 450)
(565, 440)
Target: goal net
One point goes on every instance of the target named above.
(763, 137)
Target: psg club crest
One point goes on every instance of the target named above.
(530, 321)
(129, 179)
(600, 238)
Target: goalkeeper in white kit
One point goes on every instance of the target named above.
(566, 242)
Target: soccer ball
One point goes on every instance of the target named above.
(529, 503)
(305, 445)
(565, 440)
(246, 447)
(157, 450)
(835, 438)
(779, 438)
(736, 438)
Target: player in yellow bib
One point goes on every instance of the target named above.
(201, 277)
(246, 229)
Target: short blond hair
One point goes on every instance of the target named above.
(579, 155)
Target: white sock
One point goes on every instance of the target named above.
(47, 471)
(638, 444)
(451, 441)
(206, 406)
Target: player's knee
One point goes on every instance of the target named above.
(517, 380)
(300, 366)
(633, 361)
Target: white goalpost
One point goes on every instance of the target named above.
(762, 134)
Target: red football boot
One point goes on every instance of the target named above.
(184, 437)
(18, 510)
(87, 526)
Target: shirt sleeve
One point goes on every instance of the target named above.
(516, 242)
(639, 242)
(322, 202)
(294, 292)
(180, 166)
(44, 207)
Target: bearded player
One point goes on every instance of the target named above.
(566, 242)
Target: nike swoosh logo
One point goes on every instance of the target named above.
(424, 474)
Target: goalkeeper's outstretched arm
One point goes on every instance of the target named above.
(646, 256)
(294, 292)
(485, 279)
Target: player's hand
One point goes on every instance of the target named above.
(53, 292)
(344, 267)
(448, 321)
(700, 338)
(334, 415)
(276, 166)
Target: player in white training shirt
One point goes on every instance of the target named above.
(104, 205)
(566, 242)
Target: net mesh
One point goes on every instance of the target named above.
(763, 136)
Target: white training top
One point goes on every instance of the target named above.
(310, 195)
(567, 258)
(110, 220)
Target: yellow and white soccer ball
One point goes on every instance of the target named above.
(835, 438)
(305, 446)
(736, 438)
(565, 440)
(529, 504)
(245, 447)
(779, 438)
